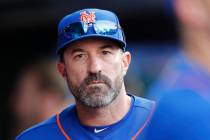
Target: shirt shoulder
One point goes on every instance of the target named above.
(39, 130)
(47, 129)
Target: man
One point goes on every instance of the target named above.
(39, 93)
(190, 68)
(93, 60)
(183, 110)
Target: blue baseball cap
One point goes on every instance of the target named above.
(89, 23)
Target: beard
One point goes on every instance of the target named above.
(96, 95)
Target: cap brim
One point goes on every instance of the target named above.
(60, 49)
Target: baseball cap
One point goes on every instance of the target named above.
(89, 23)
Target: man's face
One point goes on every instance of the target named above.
(27, 98)
(94, 70)
(196, 15)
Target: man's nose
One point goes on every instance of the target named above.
(94, 65)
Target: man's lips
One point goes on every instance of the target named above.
(96, 82)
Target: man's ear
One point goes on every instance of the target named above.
(126, 60)
(61, 69)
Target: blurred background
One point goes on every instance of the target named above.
(28, 37)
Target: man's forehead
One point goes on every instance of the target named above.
(93, 43)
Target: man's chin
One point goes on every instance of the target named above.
(96, 104)
(97, 100)
(97, 89)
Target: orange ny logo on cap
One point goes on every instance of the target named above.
(87, 18)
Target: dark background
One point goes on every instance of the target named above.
(28, 29)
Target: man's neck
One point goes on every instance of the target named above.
(105, 115)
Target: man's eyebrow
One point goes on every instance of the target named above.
(76, 50)
(107, 46)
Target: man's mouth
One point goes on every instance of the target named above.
(96, 82)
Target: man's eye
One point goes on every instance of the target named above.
(106, 52)
(78, 56)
